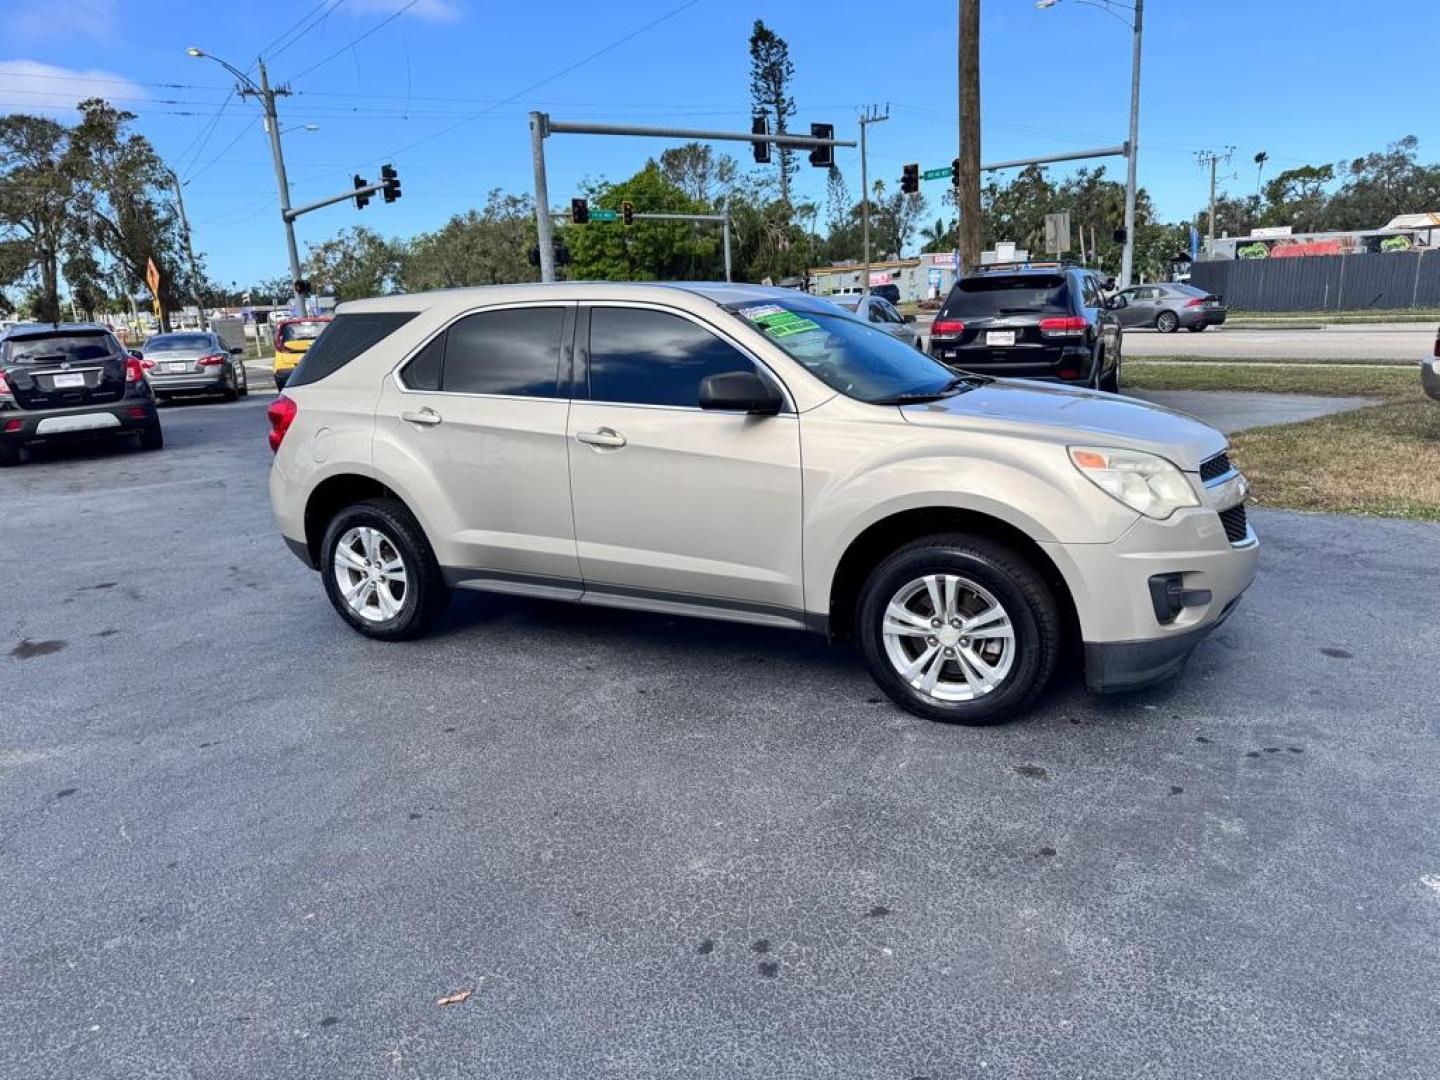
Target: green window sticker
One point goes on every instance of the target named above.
(782, 323)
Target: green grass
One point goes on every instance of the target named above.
(1382, 461)
(1274, 378)
(1419, 315)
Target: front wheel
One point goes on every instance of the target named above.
(1167, 322)
(380, 572)
(959, 629)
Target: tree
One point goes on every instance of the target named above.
(937, 237)
(1380, 185)
(697, 170)
(893, 219)
(837, 199)
(770, 75)
(1297, 197)
(488, 247)
(354, 264)
(36, 189)
(648, 250)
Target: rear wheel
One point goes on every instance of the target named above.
(232, 386)
(959, 629)
(244, 379)
(1197, 328)
(152, 438)
(9, 456)
(281, 380)
(1167, 322)
(379, 571)
(1110, 382)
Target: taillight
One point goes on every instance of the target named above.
(134, 370)
(1066, 326)
(947, 328)
(213, 360)
(281, 415)
(1199, 301)
(5, 387)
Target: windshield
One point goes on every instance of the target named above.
(982, 296)
(848, 355)
(301, 331)
(58, 348)
(178, 343)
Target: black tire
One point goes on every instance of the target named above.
(1011, 579)
(1167, 322)
(9, 456)
(1110, 382)
(232, 386)
(425, 597)
(1198, 327)
(244, 380)
(280, 381)
(152, 438)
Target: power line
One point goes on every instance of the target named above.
(356, 41)
(542, 82)
(295, 26)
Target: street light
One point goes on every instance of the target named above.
(266, 95)
(1135, 20)
(300, 127)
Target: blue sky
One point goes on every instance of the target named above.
(1304, 80)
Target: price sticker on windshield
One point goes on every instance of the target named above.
(777, 322)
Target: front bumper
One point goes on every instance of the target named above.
(125, 417)
(1126, 644)
(1430, 377)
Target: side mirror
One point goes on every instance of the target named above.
(740, 391)
(238, 350)
(909, 318)
(137, 354)
(1116, 302)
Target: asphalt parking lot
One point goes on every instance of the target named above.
(238, 840)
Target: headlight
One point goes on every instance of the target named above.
(1144, 482)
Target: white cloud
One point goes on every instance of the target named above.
(31, 87)
(35, 20)
(442, 11)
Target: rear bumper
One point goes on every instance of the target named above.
(1430, 377)
(125, 417)
(209, 381)
(1018, 362)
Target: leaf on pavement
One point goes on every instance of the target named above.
(455, 998)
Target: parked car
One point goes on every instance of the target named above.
(293, 338)
(1169, 306)
(65, 381)
(1430, 371)
(194, 363)
(639, 446)
(882, 314)
(1031, 322)
(887, 291)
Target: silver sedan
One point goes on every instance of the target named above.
(194, 363)
(881, 314)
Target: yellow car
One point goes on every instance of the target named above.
(293, 338)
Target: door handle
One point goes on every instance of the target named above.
(606, 437)
(426, 417)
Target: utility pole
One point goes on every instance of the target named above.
(1213, 158)
(870, 116)
(967, 194)
(267, 95)
(1127, 256)
(189, 251)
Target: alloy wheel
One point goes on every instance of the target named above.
(371, 574)
(948, 637)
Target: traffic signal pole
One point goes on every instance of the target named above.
(542, 127)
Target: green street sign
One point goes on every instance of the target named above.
(928, 174)
(604, 215)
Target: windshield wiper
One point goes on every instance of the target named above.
(950, 389)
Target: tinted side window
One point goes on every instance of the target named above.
(1089, 292)
(423, 371)
(516, 351)
(653, 358)
(344, 338)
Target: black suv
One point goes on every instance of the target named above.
(1031, 322)
(66, 381)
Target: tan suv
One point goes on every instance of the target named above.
(761, 456)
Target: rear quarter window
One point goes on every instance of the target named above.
(345, 338)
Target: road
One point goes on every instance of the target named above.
(1381, 341)
(237, 840)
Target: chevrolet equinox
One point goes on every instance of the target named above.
(761, 456)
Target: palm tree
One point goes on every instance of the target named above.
(936, 237)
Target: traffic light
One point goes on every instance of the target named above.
(361, 200)
(391, 179)
(822, 156)
(579, 211)
(955, 173)
(627, 212)
(910, 178)
(760, 125)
